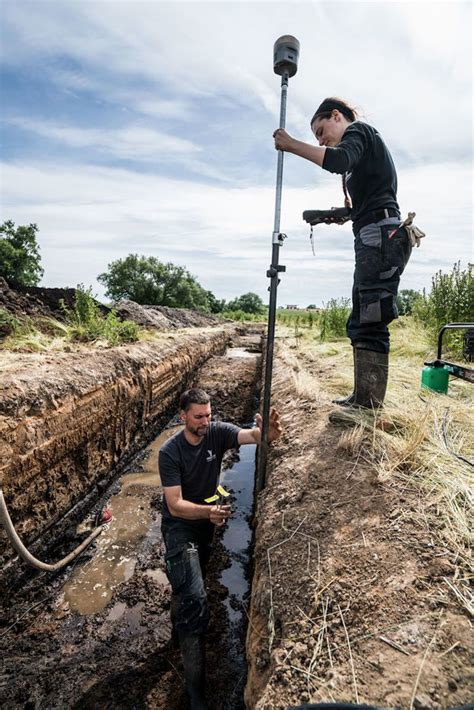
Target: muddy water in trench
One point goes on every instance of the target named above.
(237, 538)
(91, 586)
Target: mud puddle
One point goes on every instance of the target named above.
(91, 585)
(238, 535)
(241, 353)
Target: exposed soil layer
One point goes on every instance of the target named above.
(234, 397)
(121, 657)
(66, 420)
(350, 598)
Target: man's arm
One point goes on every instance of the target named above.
(181, 508)
(254, 436)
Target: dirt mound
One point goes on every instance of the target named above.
(39, 302)
(162, 317)
(34, 301)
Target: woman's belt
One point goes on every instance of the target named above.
(375, 216)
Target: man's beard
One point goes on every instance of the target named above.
(200, 430)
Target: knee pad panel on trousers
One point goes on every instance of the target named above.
(377, 306)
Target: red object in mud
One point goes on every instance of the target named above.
(106, 516)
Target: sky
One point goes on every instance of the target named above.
(146, 127)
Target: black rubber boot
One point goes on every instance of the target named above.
(192, 653)
(371, 374)
(346, 401)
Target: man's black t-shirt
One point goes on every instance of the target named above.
(195, 468)
(371, 177)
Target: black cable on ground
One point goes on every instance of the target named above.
(444, 431)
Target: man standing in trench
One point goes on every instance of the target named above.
(190, 463)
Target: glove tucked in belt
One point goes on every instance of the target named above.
(415, 234)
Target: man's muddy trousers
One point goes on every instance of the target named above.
(188, 548)
(380, 259)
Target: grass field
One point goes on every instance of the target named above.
(420, 439)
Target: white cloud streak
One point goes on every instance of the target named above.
(130, 142)
(91, 216)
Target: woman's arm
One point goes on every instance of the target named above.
(313, 153)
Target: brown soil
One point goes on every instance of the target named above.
(350, 599)
(37, 305)
(162, 317)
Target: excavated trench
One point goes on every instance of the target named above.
(98, 633)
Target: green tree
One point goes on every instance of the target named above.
(451, 300)
(148, 281)
(248, 302)
(19, 254)
(406, 299)
(215, 305)
(333, 318)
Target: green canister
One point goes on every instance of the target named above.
(435, 378)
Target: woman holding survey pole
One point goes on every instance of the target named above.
(383, 245)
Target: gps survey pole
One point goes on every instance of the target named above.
(285, 63)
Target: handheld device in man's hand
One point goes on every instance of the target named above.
(219, 497)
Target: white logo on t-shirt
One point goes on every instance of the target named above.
(211, 456)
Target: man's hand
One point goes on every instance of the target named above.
(274, 425)
(283, 140)
(254, 435)
(218, 514)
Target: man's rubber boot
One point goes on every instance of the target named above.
(371, 375)
(349, 400)
(192, 653)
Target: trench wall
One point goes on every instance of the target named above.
(259, 612)
(66, 423)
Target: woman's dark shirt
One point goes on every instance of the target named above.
(371, 177)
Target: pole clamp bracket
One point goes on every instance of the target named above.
(278, 238)
(275, 270)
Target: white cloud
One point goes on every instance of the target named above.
(187, 88)
(91, 216)
(132, 142)
(407, 64)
